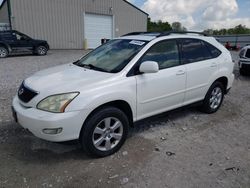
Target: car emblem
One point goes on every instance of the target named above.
(21, 91)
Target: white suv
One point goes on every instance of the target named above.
(97, 98)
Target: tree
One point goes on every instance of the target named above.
(177, 26)
(158, 26)
(239, 29)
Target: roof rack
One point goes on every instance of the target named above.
(143, 33)
(181, 32)
(161, 34)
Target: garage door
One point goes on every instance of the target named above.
(96, 28)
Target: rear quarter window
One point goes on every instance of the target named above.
(215, 52)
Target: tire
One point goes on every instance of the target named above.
(41, 50)
(213, 98)
(3, 52)
(104, 132)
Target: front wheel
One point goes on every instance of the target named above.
(214, 98)
(41, 50)
(104, 132)
(3, 52)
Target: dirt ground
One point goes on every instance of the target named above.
(182, 148)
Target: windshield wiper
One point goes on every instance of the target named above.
(93, 67)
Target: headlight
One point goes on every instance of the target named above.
(57, 103)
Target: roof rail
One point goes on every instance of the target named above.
(160, 34)
(143, 33)
(181, 32)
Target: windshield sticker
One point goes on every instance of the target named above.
(136, 42)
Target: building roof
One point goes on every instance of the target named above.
(135, 7)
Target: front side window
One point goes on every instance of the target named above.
(165, 53)
(113, 56)
(193, 51)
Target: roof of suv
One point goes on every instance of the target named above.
(148, 36)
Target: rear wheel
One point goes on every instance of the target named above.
(214, 98)
(3, 52)
(104, 132)
(41, 50)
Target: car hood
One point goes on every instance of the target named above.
(66, 78)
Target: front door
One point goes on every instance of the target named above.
(162, 91)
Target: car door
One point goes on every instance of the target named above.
(164, 90)
(200, 67)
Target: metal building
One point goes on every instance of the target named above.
(66, 24)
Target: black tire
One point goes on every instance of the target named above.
(41, 50)
(207, 105)
(3, 52)
(87, 136)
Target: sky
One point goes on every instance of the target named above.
(198, 14)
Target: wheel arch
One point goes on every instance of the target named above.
(5, 46)
(224, 81)
(120, 104)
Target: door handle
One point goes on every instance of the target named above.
(213, 65)
(180, 72)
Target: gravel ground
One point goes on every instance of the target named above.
(181, 148)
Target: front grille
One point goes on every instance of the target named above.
(25, 94)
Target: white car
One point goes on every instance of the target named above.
(97, 98)
(244, 62)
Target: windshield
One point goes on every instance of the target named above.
(113, 56)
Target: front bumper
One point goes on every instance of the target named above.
(244, 64)
(36, 121)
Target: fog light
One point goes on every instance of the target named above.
(52, 131)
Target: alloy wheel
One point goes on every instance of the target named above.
(107, 134)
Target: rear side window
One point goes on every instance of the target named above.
(248, 53)
(213, 50)
(7, 36)
(193, 50)
(165, 53)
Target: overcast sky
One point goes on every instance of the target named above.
(198, 14)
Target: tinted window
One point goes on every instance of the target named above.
(7, 36)
(165, 53)
(194, 50)
(248, 53)
(213, 50)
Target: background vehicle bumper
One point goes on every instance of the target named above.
(36, 121)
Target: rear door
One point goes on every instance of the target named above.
(200, 68)
(164, 90)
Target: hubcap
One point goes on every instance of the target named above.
(107, 134)
(3, 53)
(216, 97)
(41, 50)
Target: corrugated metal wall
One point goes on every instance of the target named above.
(61, 22)
(4, 17)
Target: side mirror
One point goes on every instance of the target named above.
(149, 67)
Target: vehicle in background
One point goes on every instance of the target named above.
(15, 42)
(244, 62)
